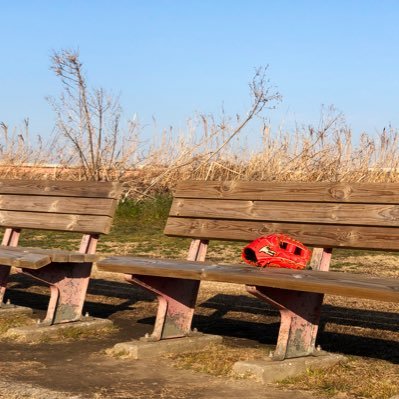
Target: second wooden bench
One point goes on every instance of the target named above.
(321, 215)
(57, 206)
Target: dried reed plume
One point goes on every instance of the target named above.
(91, 144)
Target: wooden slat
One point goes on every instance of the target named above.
(327, 236)
(306, 212)
(48, 221)
(36, 258)
(51, 204)
(18, 257)
(379, 193)
(61, 188)
(59, 255)
(334, 283)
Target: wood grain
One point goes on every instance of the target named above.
(61, 188)
(62, 256)
(58, 222)
(18, 257)
(334, 283)
(36, 258)
(300, 212)
(325, 236)
(52, 204)
(368, 193)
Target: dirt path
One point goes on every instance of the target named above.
(82, 370)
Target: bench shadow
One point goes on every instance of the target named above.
(382, 320)
(264, 330)
(18, 295)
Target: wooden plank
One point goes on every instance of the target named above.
(379, 193)
(61, 256)
(36, 258)
(305, 212)
(61, 188)
(19, 257)
(333, 283)
(58, 222)
(52, 204)
(326, 236)
(150, 266)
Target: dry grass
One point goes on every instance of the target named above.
(14, 321)
(327, 152)
(352, 378)
(216, 360)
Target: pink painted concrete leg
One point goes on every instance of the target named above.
(197, 251)
(300, 312)
(10, 239)
(300, 315)
(68, 286)
(176, 297)
(4, 273)
(321, 258)
(88, 244)
(176, 302)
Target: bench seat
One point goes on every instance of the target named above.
(321, 215)
(333, 283)
(36, 258)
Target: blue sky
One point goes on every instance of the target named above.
(170, 59)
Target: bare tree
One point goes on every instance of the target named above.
(200, 155)
(90, 121)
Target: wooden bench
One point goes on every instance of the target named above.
(321, 215)
(83, 207)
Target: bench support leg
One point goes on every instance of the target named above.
(68, 286)
(176, 297)
(300, 315)
(4, 273)
(176, 302)
(10, 238)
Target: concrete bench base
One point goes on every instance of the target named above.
(268, 370)
(143, 349)
(40, 332)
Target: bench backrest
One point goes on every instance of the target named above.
(85, 207)
(324, 215)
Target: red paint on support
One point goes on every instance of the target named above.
(300, 315)
(10, 239)
(176, 297)
(198, 250)
(68, 285)
(176, 304)
(321, 258)
(88, 244)
(300, 312)
(4, 273)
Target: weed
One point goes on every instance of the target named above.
(76, 333)
(353, 378)
(216, 359)
(14, 321)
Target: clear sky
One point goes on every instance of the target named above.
(170, 59)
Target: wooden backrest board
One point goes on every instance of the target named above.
(85, 207)
(318, 214)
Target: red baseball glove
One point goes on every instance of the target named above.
(276, 250)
